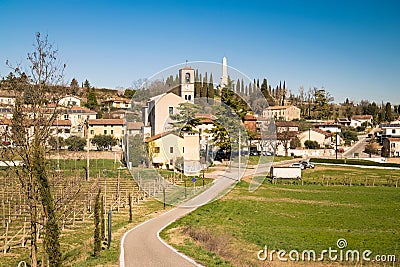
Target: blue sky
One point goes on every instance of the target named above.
(352, 48)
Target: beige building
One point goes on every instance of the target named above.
(191, 154)
(391, 147)
(322, 138)
(113, 127)
(287, 113)
(7, 98)
(117, 102)
(70, 101)
(165, 149)
(78, 117)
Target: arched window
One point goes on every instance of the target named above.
(187, 77)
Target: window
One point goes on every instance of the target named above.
(171, 110)
(105, 131)
(67, 131)
(189, 97)
(186, 97)
(79, 128)
(157, 149)
(393, 131)
(66, 116)
(123, 132)
(183, 149)
(112, 131)
(92, 132)
(171, 162)
(171, 149)
(187, 77)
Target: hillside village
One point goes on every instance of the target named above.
(85, 113)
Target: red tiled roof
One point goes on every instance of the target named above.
(362, 117)
(250, 117)
(106, 122)
(321, 131)
(286, 124)
(157, 136)
(393, 139)
(278, 107)
(134, 125)
(62, 123)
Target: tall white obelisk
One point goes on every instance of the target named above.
(224, 77)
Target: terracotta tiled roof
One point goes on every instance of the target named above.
(62, 123)
(205, 116)
(134, 125)
(362, 117)
(114, 99)
(250, 117)
(321, 132)
(278, 107)
(393, 139)
(286, 124)
(157, 136)
(106, 122)
(83, 109)
(187, 68)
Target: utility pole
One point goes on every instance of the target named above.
(87, 147)
(239, 153)
(336, 141)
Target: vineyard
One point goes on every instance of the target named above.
(74, 197)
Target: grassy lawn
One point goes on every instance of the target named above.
(230, 231)
(254, 160)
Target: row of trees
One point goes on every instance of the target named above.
(76, 143)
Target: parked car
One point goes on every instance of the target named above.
(297, 165)
(307, 164)
(267, 153)
(254, 153)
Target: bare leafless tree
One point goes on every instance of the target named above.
(37, 90)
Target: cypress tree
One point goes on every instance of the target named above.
(102, 222)
(97, 239)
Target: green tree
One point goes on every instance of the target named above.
(137, 152)
(104, 141)
(87, 85)
(74, 85)
(97, 239)
(129, 93)
(56, 142)
(75, 143)
(295, 143)
(185, 119)
(389, 116)
(311, 144)
(321, 108)
(91, 99)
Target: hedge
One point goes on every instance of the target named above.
(353, 162)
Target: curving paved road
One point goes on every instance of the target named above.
(142, 246)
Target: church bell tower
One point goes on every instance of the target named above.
(186, 84)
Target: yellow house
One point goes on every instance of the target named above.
(113, 127)
(287, 113)
(165, 149)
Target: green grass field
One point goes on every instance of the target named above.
(231, 231)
